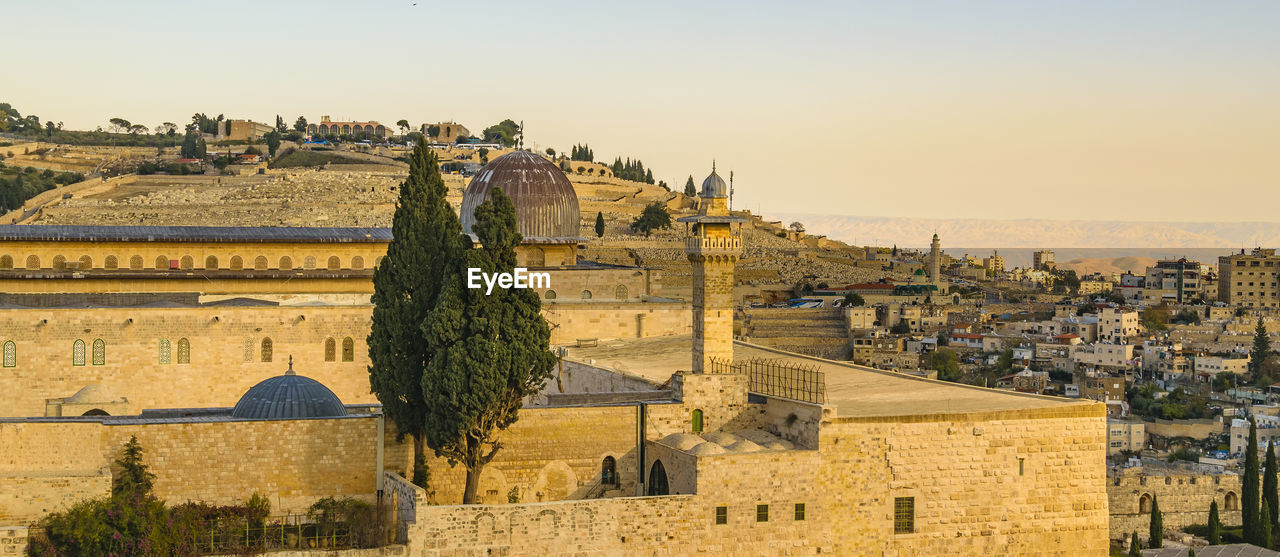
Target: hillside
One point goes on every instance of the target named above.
(1108, 266)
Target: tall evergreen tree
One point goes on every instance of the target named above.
(1135, 547)
(689, 189)
(1155, 534)
(1215, 525)
(280, 127)
(134, 479)
(1261, 349)
(1270, 496)
(426, 238)
(599, 224)
(1264, 531)
(492, 349)
(1249, 489)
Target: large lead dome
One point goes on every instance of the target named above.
(546, 205)
(288, 396)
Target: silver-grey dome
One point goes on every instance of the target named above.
(288, 396)
(714, 186)
(546, 203)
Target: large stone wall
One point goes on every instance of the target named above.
(1184, 499)
(43, 466)
(607, 320)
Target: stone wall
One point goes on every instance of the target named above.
(46, 466)
(1184, 499)
(607, 320)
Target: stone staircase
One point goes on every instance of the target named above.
(816, 332)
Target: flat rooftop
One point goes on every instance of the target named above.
(855, 391)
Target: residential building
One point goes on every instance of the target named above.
(243, 130)
(1249, 280)
(446, 132)
(1102, 387)
(994, 264)
(1214, 365)
(1123, 435)
(1043, 260)
(1173, 281)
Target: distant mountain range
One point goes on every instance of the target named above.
(1038, 233)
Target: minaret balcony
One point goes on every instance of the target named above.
(696, 244)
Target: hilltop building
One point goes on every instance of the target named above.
(447, 132)
(329, 127)
(244, 130)
(1249, 280)
(1042, 260)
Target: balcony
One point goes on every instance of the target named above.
(729, 243)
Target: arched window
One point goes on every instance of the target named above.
(620, 292)
(162, 262)
(586, 294)
(77, 353)
(286, 262)
(184, 351)
(609, 471)
(357, 263)
(96, 412)
(535, 257)
(697, 421)
(111, 262)
(211, 262)
(1144, 504)
(6, 261)
(236, 263)
(330, 350)
(59, 263)
(657, 479)
(348, 350)
(33, 262)
(99, 353)
(135, 262)
(550, 294)
(85, 262)
(1232, 502)
(260, 263)
(10, 354)
(248, 350)
(309, 262)
(186, 263)
(335, 263)
(266, 349)
(164, 351)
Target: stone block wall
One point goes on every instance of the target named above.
(571, 321)
(1184, 499)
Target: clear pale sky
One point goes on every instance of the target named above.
(1159, 110)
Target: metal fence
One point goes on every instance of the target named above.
(774, 377)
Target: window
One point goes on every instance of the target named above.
(330, 350)
(550, 294)
(86, 262)
(211, 262)
(162, 263)
(99, 353)
(348, 350)
(799, 511)
(111, 262)
(266, 349)
(620, 292)
(357, 263)
(1022, 469)
(722, 515)
(10, 354)
(33, 262)
(6, 261)
(236, 263)
(260, 263)
(186, 263)
(286, 262)
(60, 263)
(184, 351)
(135, 262)
(904, 515)
(609, 471)
(586, 294)
(77, 353)
(762, 513)
(309, 263)
(335, 263)
(164, 351)
(697, 421)
(1144, 504)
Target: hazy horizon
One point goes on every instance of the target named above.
(1135, 111)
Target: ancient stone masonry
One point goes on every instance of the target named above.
(1185, 497)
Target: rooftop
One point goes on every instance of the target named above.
(260, 234)
(855, 391)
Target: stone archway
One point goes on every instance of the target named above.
(658, 479)
(556, 482)
(493, 487)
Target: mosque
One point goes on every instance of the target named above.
(666, 436)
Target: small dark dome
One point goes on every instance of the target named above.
(288, 396)
(546, 204)
(714, 186)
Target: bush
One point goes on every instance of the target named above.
(361, 521)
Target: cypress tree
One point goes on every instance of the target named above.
(1269, 494)
(1215, 525)
(492, 350)
(1261, 349)
(1135, 547)
(1155, 534)
(134, 479)
(689, 189)
(426, 236)
(1264, 531)
(1249, 489)
(599, 224)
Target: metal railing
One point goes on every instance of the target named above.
(772, 377)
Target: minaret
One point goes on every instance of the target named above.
(935, 260)
(713, 248)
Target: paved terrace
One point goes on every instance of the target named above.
(855, 391)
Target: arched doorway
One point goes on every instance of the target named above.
(1232, 502)
(609, 471)
(1144, 504)
(658, 479)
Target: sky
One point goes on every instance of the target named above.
(1127, 110)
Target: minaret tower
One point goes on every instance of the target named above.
(713, 247)
(935, 260)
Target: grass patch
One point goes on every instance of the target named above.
(296, 158)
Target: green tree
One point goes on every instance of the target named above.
(1155, 533)
(201, 150)
(654, 217)
(599, 224)
(134, 479)
(1270, 497)
(900, 328)
(491, 349)
(946, 363)
(188, 149)
(689, 189)
(503, 133)
(1261, 349)
(1215, 525)
(551, 152)
(300, 125)
(1135, 547)
(280, 127)
(484, 155)
(426, 237)
(1264, 531)
(1249, 489)
(853, 299)
(273, 142)
(433, 131)
(403, 125)
(1155, 318)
